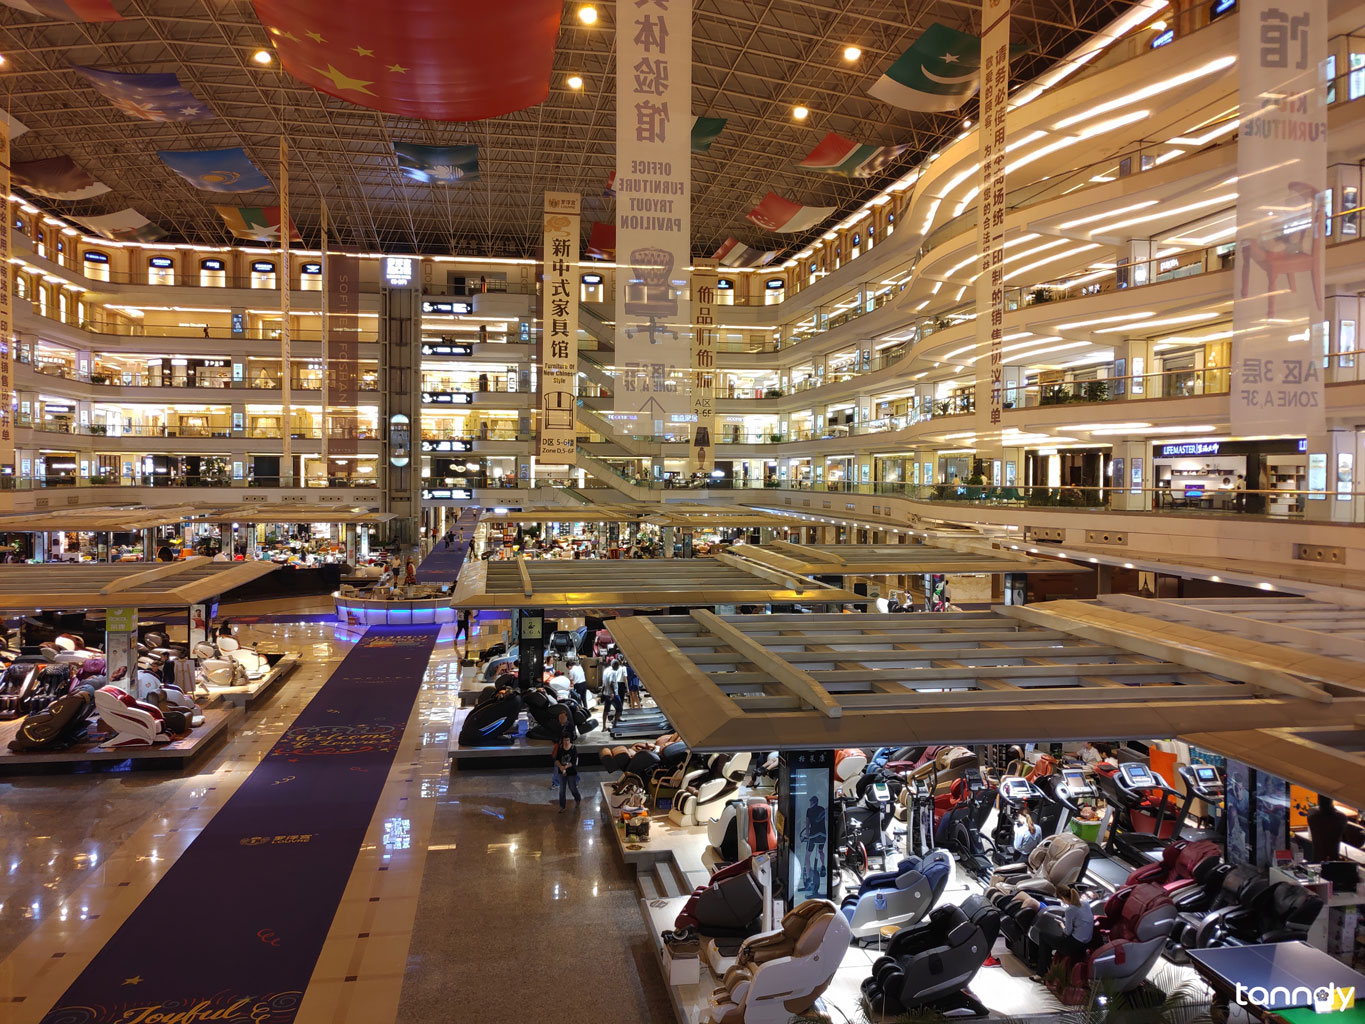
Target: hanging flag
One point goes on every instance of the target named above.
(125, 226)
(938, 73)
(67, 10)
(735, 253)
(705, 130)
(437, 165)
(56, 177)
(216, 170)
(261, 223)
(439, 60)
(158, 97)
(610, 188)
(837, 155)
(602, 241)
(778, 214)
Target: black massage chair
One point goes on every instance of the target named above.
(543, 708)
(929, 966)
(59, 725)
(491, 720)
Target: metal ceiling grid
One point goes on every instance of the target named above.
(753, 61)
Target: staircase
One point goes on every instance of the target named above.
(591, 322)
(613, 479)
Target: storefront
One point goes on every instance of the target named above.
(1207, 474)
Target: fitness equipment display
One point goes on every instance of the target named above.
(1145, 811)
(967, 806)
(1204, 782)
(744, 828)
(900, 897)
(783, 972)
(928, 967)
(861, 828)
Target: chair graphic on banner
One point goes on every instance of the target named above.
(1292, 253)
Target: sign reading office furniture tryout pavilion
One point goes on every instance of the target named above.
(767, 682)
(635, 583)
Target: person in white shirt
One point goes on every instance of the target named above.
(579, 680)
(614, 686)
(1090, 754)
(561, 686)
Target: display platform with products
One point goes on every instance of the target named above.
(174, 754)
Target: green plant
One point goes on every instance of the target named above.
(99, 378)
(775, 436)
(1096, 391)
(99, 429)
(1052, 394)
(1040, 295)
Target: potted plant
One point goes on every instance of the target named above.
(773, 393)
(1040, 295)
(1096, 391)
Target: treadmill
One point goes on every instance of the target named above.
(1207, 783)
(1141, 825)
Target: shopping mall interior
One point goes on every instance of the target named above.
(699, 511)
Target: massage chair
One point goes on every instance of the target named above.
(48, 683)
(929, 966)
(642, 771)
(727, 910)
(780, 974)
(256, 666)
(1258, 912)
(134, 723)
(744, 828)
(1057, 861)
(899, 897)
(18, 679)
(1183, 866)
(492, 718)
(543, 708)
(848, 768)
(59, 725)
(704, 791)
(1130, 935)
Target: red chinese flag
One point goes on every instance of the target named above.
(440, 60)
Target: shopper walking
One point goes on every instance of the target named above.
(614, 687)
(633, 687)
(566, 761)
(578, 680)
(462, 626)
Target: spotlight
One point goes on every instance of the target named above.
(587, 15)
(800, 113)
(574, 82)
(262, 57)
(852, 53)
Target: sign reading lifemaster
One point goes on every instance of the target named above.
(1278, 317)
(653, 215)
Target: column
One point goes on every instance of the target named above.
(1332, 468)
(1133, 472)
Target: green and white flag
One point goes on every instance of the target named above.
(938, 73)
(705, 130)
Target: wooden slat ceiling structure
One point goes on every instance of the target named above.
(62, 587)
(130, 519)
(764, 682)
(634, 583)
(690, 516)
(894, 559)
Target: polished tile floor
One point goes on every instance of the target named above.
(463, 885)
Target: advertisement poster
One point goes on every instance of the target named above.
(559, 330)
(1238, 804)
(702, 451)
(1272, 818)
(653, 216)
(1278, 317)
(808, 809)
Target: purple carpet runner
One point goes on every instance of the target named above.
(233, 930)
(442, 563)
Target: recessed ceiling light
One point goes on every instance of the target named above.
(262, 57)
(852, 53)
(800, 113)
(574, 82)
(587, 15)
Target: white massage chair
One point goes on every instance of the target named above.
(255, 665)
(848, 767)
(216, 669)
(704, 791)
(744, 829)
(133, 722)
(72, 649)
(780, 974)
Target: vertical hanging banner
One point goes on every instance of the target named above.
(990, 282)
(653, 215)
(1278, 318)
(342, 346)
(702, 451)
(559, 329)
(286, 371)
(6, 325)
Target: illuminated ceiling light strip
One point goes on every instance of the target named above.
(1050, 259)
(1155, 89)
(1107, 213)
(1225, 198)
(1106, 320)
(1169, 321)
(1207, 137)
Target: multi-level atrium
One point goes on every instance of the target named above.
(692, 510)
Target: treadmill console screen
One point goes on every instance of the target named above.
(1206, 774)
(1137, 775)
(1016, 788)
(1075, 780)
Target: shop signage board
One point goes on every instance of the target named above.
(653, 215)
(559, 329)
(6, 324)
(1278, 316)
(444, 349)
(990, 284)
(702, 451)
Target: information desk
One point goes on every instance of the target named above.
(1277, 981)
(422, 605)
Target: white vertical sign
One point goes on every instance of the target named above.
(559, 329)
(1278, 314)
(653, 215)
(6, 324)
(990, 281)
(702, 450)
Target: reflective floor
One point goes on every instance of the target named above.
(472, 898)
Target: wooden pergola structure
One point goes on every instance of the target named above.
(1046, 672)
(895, 559)
(60, 586)
(681, 515)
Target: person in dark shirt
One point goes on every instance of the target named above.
(566, 761)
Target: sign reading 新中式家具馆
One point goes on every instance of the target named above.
(559, 329)
(653, 215)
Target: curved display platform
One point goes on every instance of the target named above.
(358, 610)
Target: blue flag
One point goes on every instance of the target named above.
(151, 97)
(438, 165)
(216, 170)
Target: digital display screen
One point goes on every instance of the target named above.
(1075, 778)
(1206, 774)
(1016, 787)
(1138, 775)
